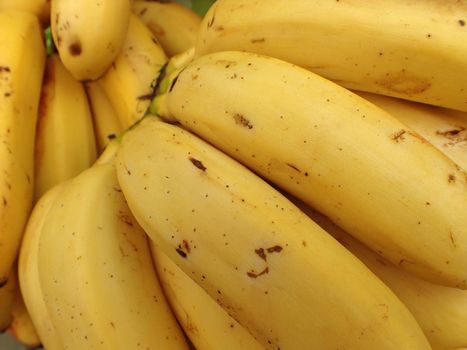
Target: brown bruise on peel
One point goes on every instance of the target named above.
(197, 163)
(75, 48)
(398, 135)
(261, 253)
(403, 83)
(257, 41)
(254, 274)
(451, 238)
(3, 282)
(241, 120)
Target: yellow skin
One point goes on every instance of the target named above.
(7, 295)
(40, 8)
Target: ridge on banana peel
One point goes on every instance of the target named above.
(96, 272)
(410, 49)
(284, 279)
(368, 172)
(21, 70)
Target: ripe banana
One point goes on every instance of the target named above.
(22, 60)
(106, 123)
(444, 128)
(29, 274)
(21, 327)
(89, 34)
(130, 81)
(410, 49)
(265, 262)
(174, 25)
(345, 157)
(40, 8)
(65, 141)
(207, 324)
(96, 272)
(440, 311)
(7, 294)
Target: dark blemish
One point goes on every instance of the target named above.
(194, 76)
(211, 21)
(451, 237)
(219, 28)
(260, 40)
(399, 135)
(3, 283)
(5, 202)
(253, 274)
(197, 163)
(5, 69)
(112, 324)
(111, 136)
(427, 203)
(451, 178)
(451, 133)
(143, 11)
(7, 94)
(149, 96)
(304, 243)
(186, 246)
(116, 189)
(155, 41)
(293, 167)
(274, 249)
(172, 84)
(461, 22)
(241, 120)
(261, 253)
(180, 252)
(428, 35)
(75, 49)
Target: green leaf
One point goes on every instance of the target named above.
(201, 6)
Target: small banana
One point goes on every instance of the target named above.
(444, 128)
(106, 122)
(7, 294)
(65, 141)
(371, 174)
(130, 81)
(95, 269)
(175, 26)
(28, 271)
(267, 264)
(410, 49)
(89, 34)
(22, 61)
(40, 8)
(207, 324)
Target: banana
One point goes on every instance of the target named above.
(175, 26)
(130, 81)
(21, 327)
(95, 269)
(22, 61)
(208, 325)
(440, 311)
(40, 8)
(444, 128)
(29, 274)
(106, 123)
(410, 49)
(65, 141)
(350, 160)
(265, 262)
(7, 294)
(89, 34)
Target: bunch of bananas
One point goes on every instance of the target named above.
(264, 177)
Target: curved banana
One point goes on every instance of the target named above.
(444, 128)
(334, 150)
(130, 81)
(65, 141)
(96, 272)
(22, 60)
(89, 34)
(40, 8)
(207, 324)
(22, 327)
(175, 26)
(106, 123)
(7, 294)
(28, 271)
(413, 50)
(440, 311)
(265, 262)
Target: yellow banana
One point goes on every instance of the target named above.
(106, 122)
(130, 81)
(440, 311)
(368, 172)
(89, 34)
(21, 327)
(266, 263)
(96, 272)
(207, 325)
(40, 8)
(410, 49)
(29, 273)
(65, 141)
(7, 294)
(444, 128)
(22, 60)
(174, 25)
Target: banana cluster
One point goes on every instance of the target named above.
(276, 175)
